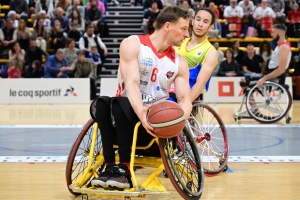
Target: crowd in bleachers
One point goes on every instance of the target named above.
(70, 27)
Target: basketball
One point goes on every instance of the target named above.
(167, 118)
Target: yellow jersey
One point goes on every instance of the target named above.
(195, 57)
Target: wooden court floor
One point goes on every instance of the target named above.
(39, 181)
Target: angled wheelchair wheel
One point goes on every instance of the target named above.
(210, 135)
(269, 103)
(185, 171)
(79, 155)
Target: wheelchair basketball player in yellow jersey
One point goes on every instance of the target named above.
(200, 54)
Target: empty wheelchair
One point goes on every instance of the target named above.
(85, 162)
(267, 104)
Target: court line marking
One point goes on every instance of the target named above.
(259, 159)
(81, 125)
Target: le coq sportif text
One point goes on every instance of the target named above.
(34, 93)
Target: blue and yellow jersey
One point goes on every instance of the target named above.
(195, 58)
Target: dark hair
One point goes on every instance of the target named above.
(213, 16)
(250, 45)
(79, 16)
(189, 2)
(94, 47)
(280, 26)
(233, 43)
(89, 26)
(261, 47)
(69, 41)
(81, 52)
(171, 14)
(231, 51)
(36, 27)
(13, 47)
(38, 64)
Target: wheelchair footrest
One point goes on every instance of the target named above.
(155, 186)
(242, 114)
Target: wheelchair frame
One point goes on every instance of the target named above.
(245, 113)
(151, 185)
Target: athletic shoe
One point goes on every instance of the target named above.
(104, 176)
(120, 178)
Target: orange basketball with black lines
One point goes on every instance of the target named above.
(167, 119)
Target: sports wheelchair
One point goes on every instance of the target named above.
(267, 104)
(198, 140)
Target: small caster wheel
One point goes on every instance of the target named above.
(239, 118)
(235, 119)
(288, 120)
(127, 198)
(84, 197)
(165, 174)
(225, 168)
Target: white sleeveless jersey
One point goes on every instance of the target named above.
(274, 61)
(157, 72)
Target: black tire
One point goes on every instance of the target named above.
(215, 139)
(267, 114)
(188, 189)
(80, 149)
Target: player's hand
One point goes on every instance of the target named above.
(144, 121)
(260, 82)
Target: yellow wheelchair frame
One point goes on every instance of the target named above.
(151, 185)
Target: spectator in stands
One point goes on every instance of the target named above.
(263, 11)
(39, 33)
(14, 70)
(57, 66)
(278, 8)
(6, 35)
(94, 17)
(288, 6)
(13, 16)
(22, 35)
(71, 52)
(32, 54)
(238, 54)
(21, 8)
(44, 5)
(217, 25)
(169, 2)
(149, 18)
(221, 6)
(221, 58)
(293, 18)
(64, 4)
(83, 68)
(187, 5)
(95, 57)
(89, 40)
(17, 54)
(77, 18)
(74, 34)
(264, 50)
(64, 22)
(136, 3)
(234, 11)
(31, 6)
(248, 9)
(148, 3)
(253, 64)
(100, 5)
(57, 36)
(47, 21)
(37, 70)
(229, 67)
(76, 6)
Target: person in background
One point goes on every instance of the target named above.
(248, 9)
(74, 34)
(21, 8)
(229, 67)
(264, 50)
(77, 18)
(96, 60)
(150, 18)
(57, 36)
(39, 33)
(46, 6)
(253, 64)
(237, 53)
(17, 54)
(14, 70)
(64, 21)
(6, 35)
(13, 16)
(22, 35)
(37, 70)
(221, 58)
(71, 51)
(76, 6)
(57, 66)
(217, 24)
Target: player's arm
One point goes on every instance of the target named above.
(129, 68)
(205, 73)
(182, 87)
(284, 51)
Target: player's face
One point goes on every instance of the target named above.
(275, 34)
(201, 23)
(178, 31)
